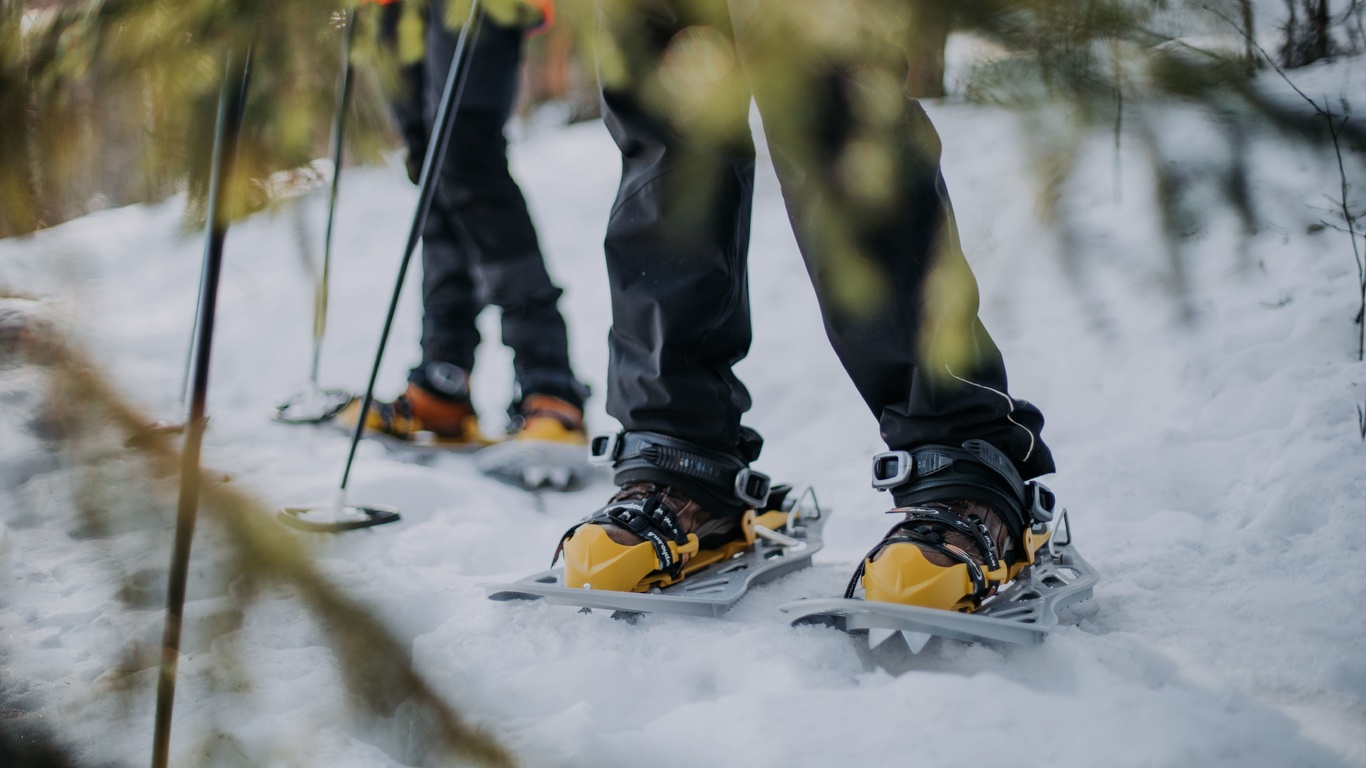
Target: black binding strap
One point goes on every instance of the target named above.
(647, 518)
(651, 520)
(976, 471)
(918, 529)
(628, 451)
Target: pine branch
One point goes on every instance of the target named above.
(374, 660)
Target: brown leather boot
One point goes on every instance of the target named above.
(692, 518)
(650, 535)
(944, 554)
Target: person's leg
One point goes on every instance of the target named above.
(677, 245)
(676, 250)
(910, 339)
(479, 200)
(917, 352)
(406, 102)
(436, 400)
(450, 301)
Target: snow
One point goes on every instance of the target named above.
(1206, 436)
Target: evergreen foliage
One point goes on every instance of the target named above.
(133, 84)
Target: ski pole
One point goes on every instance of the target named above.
(427, 185)
(338, 134)
(320, 405)
(189, 358)
(227, 132)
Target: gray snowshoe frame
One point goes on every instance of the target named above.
(711, 592)
(1022, 613)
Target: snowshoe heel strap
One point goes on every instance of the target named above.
(726, 475)
(976, 471)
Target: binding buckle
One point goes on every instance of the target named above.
(604, 448)
(1039, 501)
(892, 468)
(752, 487)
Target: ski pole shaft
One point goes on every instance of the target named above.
(189, 358)
(231, 103)
(338, 136)
(427, 185)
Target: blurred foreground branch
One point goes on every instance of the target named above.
(112, 101)
(1072, 67)
(376, 664)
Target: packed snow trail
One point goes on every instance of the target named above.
(1212, 468)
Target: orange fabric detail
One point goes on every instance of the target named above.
(547, 10)
(437, 414)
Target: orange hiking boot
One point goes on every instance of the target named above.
(549, 418)
(420, 417)
(545, 446)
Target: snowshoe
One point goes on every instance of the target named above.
(313, 406)
(333, 518)
(673, 571)
(335, 515)
(546, 447)
(1021, 613)
(978, 563)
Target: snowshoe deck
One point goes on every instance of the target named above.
(313, 406)
(710, 592)
(1023, 613)
(324, 518)
(536, 464)
(424, 446)
(421, 450)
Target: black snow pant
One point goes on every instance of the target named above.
(479, 246)
(677, 244)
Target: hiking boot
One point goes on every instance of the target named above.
(649, 535)
(948, 555)
(969, 525)
(548, 418)
(418, 416)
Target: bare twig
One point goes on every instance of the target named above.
(1331, 225)
(1351, 228)
(1256, 46)
(1334, 131)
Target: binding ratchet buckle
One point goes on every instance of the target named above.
(752, 487)
(603, 449)
(892, 468)
(1040, 502)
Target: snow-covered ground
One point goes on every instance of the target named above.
(1212, 465)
